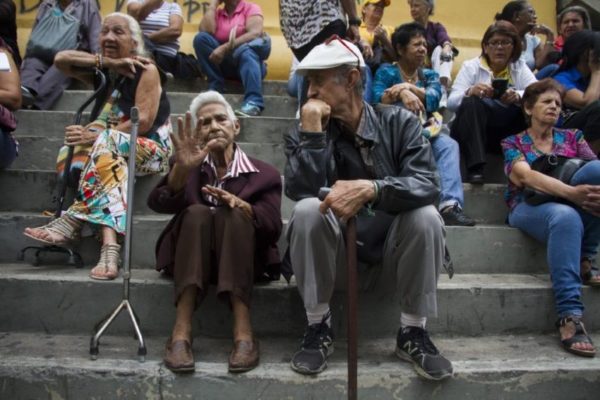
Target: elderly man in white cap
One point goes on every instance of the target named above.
(374, 159)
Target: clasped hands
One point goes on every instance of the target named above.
(482, 90)
(402, 92)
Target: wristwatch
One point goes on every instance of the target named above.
(354, 21)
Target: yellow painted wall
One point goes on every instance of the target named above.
(466, 20)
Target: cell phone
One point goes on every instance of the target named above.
(500, 86)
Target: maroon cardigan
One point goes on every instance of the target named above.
(262, 190)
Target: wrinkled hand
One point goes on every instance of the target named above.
(481, 90)
(79, 135)
(315, 115)
(127, 66)
(346, 198)
(394, 91)
(367, 50)
(379, 33)
(412, 102)
(218, 54)
(190, 151)
(587, 197)
(510, 97)
(229, 199)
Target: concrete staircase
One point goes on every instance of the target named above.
(495, 323)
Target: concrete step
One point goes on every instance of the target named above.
(480, 249)
(39, 152)
(52, 124)
(482, 202)
(275, 106)
(469, 304)
(517, 367)
(270, 87)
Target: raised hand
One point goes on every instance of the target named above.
(229, 199)
(190, 150)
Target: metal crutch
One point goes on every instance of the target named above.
(125, 304)
(351, 302)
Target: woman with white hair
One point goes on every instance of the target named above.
(102, 147)
(225, 229)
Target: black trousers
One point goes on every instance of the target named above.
(481, 124)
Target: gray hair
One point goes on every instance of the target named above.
(210, 97)
(342, 72)
(577, 10)
(136, 32)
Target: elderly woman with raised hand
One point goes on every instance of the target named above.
(418, 89)
(225, 230)
(579, 74)
(522, 15)
(232, 44)
(569, 223)
(439, 44)
(42, 82)
(10, 100)
(486, 97)
(101, 198)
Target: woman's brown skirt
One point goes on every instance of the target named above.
(214, 246)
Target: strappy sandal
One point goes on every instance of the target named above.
(580, 336)
(108, 263)
(590, 276)
(67, 227)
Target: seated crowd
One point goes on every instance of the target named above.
(372, 125)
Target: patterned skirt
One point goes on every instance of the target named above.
(102, 190)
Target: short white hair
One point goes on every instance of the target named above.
(136, 32)
(210, 97)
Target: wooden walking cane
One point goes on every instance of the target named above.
(351, 302)
(352, 311)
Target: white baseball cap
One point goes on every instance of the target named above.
(334, 52)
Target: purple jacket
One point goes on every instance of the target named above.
(436, 35)
(262, 190)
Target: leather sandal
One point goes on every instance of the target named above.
(244, 356)
(580, 336)
(108, 263)
(590, 276)
(67, 227)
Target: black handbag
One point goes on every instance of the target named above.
(559, 167)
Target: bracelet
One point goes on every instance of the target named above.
(376, 189)
(99, 61)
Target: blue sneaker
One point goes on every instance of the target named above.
(248, 110)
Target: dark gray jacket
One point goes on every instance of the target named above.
(402, 160)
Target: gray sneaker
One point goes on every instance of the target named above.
(316, 347)
(413, 344)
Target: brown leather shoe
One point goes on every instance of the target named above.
(244, 356)
(179, 356)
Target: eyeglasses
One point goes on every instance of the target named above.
(500, 43)
(339, 39)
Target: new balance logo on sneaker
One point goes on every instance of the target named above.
(413, 344)
(317, 346)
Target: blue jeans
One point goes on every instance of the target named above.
(8, 149)
(447, 159)
(570, 234)
(245, 63)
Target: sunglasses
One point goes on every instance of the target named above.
(343, 43)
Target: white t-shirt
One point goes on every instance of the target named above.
(159, 19)
(528, 54)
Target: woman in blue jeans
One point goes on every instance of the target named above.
(408, 84)
(232, 44)
(570, 226)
